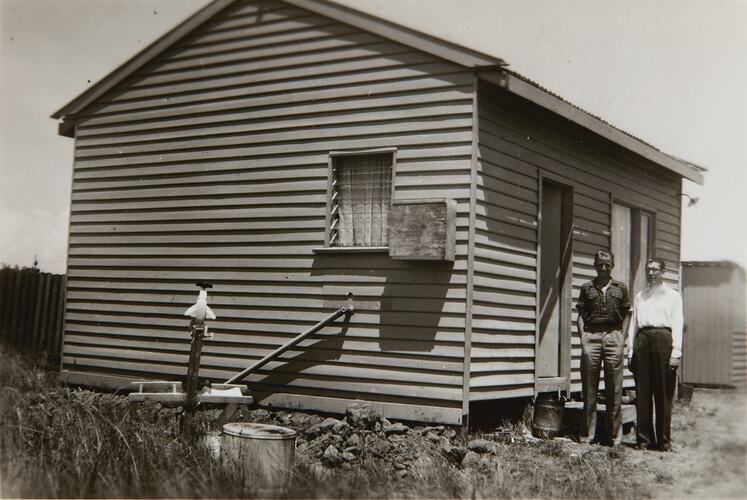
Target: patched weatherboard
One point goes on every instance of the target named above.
(423, 229)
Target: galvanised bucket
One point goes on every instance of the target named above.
(548, 415)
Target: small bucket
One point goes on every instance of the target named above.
(211, 442)
(548, 415)
(263, 454)
(685, 393)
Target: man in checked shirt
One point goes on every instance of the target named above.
(603, 317)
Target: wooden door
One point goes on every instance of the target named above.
(553, 335)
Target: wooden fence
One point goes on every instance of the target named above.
(32, 306)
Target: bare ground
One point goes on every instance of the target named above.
(709, 436)
(709, 459)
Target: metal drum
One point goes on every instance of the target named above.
(548, 415)
(262, 454)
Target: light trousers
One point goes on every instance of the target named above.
(599, 348)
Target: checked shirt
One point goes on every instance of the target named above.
(598, 308)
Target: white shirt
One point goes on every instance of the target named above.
(657, 307)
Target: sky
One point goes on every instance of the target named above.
(672, 72)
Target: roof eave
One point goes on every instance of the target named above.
(140, 59)
(66, 128)
(412, 38)
(562, 108)
(441, 48)
(488, 68)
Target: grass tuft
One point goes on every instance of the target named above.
(60, 442)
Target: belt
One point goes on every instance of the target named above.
(644, 329)
(603, 328)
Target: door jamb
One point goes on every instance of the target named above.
(561, 383)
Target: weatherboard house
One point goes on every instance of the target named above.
(292, 152)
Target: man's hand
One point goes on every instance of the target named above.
(674, 362)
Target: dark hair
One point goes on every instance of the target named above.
(604, 254)
(662, 264)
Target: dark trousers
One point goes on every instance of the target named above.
(654, 379)
(595, 348)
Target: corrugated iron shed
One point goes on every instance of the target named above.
(715, 340)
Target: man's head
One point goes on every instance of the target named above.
(655, 271)
(604, 261)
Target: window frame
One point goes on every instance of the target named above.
(636, 215)
(332, 156)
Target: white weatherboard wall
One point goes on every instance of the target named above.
(210, 163)
(517, 141)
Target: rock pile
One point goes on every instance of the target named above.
(363, 436)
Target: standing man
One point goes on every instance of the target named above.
(603, 306)
(655, 349)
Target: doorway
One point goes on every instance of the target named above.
(554, 269)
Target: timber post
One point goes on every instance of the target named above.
(193, 373)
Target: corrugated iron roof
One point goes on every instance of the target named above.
(443, 48)
(545, 89)
(711, 263)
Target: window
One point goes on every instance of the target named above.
(632, 244)
(645, 227)
(621, 242)
(360, 200)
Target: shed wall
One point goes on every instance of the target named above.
(518, 141)
(211, 163)
(739, 345)
(715, 341)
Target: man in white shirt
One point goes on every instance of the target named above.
(655, 349)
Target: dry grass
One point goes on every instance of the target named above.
(58, 442)
(65, 443)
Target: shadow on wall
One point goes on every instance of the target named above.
(402, 302)
(327, 347)
(398, 305)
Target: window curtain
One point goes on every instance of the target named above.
(364, 186)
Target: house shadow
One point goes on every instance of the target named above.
(412, 311)
(319, 349)
(398, 308)
(402, 302)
